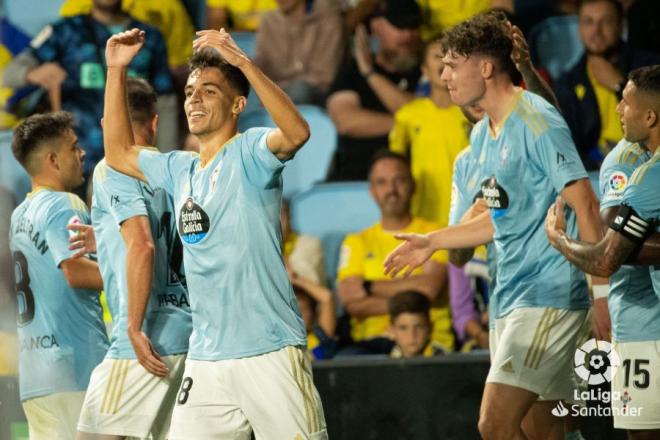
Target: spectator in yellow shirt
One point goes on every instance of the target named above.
(238, 15)
(363, 289)
(431, 131)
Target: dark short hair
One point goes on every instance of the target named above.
(646, 79)
(209, 57)
(409, 301)
(36, 131)
(484, 34)
(142, 100)
(618, 6)
(387, 154)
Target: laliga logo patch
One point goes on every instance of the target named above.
(193, 222)
(596, 362)
(618, 182)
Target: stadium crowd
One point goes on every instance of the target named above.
(422, 276)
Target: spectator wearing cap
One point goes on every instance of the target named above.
(299, 46)
(370, 88)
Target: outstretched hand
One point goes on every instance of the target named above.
(410, 254)
(121, 48)
(223, 43)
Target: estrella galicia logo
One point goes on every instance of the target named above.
(496, 198)
(596, 362)
(193, 222)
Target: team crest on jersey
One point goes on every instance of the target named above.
(194, 223)
(617, 183)
(495, 196)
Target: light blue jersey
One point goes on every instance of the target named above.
(643, 195)
(228, 219)
(61, 334)
(466, 188)
(526, 164)
(634, 306)
(167, 318)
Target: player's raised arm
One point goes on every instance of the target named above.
(120, 150)
(292, 130)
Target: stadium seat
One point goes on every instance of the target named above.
(247, 41)
(329, 211)
(312, 163)
(555, 44)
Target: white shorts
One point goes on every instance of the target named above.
(532, 348)
(124, 399)
(637, 381)
(53, 416)
(272, 394)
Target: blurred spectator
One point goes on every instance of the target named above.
(643, 24)
(431, 131)
(168, 16)
(411, 327)
(299, 46)
(303, 254)
(69, 56)
(317, 307)
(364, 290)
(237, 15)
(441, 15)
(368, 90)
(356, 11)
(590, 91)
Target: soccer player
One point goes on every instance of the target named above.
(630, 206)
(60, 325)
(247, 369)
(133, 391)
(524, 149)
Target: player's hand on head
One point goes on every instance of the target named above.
(223, 43)
(84, 239)
(412, 253)
(600, 320)
(121, 48)
(520, 51)
(146, 355)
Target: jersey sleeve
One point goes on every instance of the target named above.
(68, 209)
(459, 202)
(160, 169)
(642, 194)
(260, 166)
(612, 181)
(553, 151)
(125, 198)
(351, 258)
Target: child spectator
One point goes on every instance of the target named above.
(411, 327)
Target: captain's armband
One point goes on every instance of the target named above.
(629, 224)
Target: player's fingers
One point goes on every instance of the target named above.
(153, 367)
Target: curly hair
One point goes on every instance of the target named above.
(37, 130)
(484, 34)
(209, 57)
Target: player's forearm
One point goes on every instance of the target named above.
(139, 275)
(284, 113)
(117, 131)
(82, 273)
(470, 234)
(428, 285)
(598, 259)
(392, 97)
(588, 219)
(538, 85)
(366, 307)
